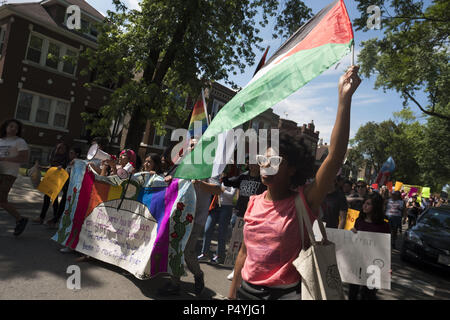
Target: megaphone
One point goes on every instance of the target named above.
(125, 172)
(95, 152)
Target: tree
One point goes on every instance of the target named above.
(413, 54)
(176, 47)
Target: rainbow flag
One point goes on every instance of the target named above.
(146, 236)
(199, 114)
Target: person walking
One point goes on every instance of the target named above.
(221, 215)
(264, 267)
(395, 212)
(13, 152)
(335, 207)
(371, 219)
(59, 158)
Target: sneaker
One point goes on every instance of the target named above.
(66, 250)
(20, 226)
(217, 260)
(170, 289)
(199, 284)
(203, 257)
(231, 276)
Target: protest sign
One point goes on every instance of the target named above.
(53, 182)
(398, 186)
(389, 186)
(426, 192)
(412, 191)
(352, 215)
(358, 254)
(375, 186)
(235, 243)
(141, 225)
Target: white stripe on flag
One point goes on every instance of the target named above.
(224, 151)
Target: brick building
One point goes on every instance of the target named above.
(40, 80)
(310, 136)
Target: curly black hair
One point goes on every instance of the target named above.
(297, 153)
(6, 124)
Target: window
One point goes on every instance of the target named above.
(24, 106)
(2, 38)
(35, 49)
(46, 111)
(61, 114)
(70, 61)
(216, 107)
(52, 54)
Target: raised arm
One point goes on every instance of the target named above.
(315, 192)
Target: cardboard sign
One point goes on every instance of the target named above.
(398, 186)
(53, 182)
(237, 237)
(363, 258)
(352, 215)
(426, 192)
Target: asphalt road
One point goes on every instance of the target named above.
(32, 267)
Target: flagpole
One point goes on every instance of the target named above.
(353, 53)
(204, 106)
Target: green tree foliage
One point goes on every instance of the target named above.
(170, 49)
(412, 54)
(421, 151)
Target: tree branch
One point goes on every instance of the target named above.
(430, 113)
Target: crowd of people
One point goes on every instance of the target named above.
(272, 241)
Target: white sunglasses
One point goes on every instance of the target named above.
(273, 161)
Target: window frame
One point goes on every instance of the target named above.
(63, 48)
(161, 143)
(3, 29)
(51, 117)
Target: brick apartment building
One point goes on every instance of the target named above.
(37, 85)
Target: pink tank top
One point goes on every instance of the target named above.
(272, 239)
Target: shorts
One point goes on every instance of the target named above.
(6, 183)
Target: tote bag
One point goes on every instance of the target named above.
(317, 265)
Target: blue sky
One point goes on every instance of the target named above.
(318, 99)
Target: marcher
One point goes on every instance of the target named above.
(203, 191)
(356, 200)
(335, 207)
(110, 167)
(248, 184)
(13, 152)
(59, 158)
(347, 188)
(413, 210)
(395, 211)
(371, 219)
(222, 215)
(272, 240)
(152, 164)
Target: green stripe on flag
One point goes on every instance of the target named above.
(278, 83)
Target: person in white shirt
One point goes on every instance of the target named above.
(220, 214)
(13, 151)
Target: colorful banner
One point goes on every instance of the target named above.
(53, 182)
(412, 191)
(144, 233)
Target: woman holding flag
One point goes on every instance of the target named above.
(264, 268)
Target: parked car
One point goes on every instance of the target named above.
(429, 240)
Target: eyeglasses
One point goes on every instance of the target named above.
(263, 161)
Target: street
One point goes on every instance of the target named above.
(32, 267)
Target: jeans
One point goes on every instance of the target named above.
(46, 205)
(221, 215)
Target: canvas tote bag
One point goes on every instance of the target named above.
(317, 265)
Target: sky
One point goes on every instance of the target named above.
(317, 100)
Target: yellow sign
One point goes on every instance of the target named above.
(53, 182)
(426, 192)
(398, 186)
(352, 215)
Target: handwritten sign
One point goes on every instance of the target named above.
(53, 182)
(352, 215)
(237, 237)
(359, 253)
(124, 238)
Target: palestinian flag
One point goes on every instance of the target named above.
(314, 48)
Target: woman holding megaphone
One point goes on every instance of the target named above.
(126, 162)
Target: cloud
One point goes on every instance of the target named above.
(133, 4)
